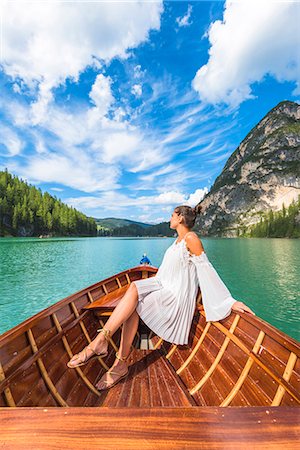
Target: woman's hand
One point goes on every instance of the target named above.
(241, 307)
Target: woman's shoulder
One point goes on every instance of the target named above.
(191, 235)
(193, 243)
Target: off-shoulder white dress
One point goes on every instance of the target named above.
(166, 302)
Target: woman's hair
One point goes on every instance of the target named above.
(189, 214)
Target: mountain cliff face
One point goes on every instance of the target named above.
(261, 174)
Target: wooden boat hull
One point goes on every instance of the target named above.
(241, 362)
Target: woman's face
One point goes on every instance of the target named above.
(175, 220)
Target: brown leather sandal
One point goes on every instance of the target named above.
(86, 359)
(108, 386)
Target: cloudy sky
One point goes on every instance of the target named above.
(127, 109)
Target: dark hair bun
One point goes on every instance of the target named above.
(198, 208)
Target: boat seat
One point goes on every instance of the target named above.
(108, 301)
(151, 382)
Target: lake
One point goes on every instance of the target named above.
(35, 273)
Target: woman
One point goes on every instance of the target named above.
(165, 302)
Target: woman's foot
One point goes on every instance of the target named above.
(98, 347)
(118, 370)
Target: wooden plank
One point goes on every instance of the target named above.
(32, 359)
(210, 428)
(70, 354)
(173, 348)
(56, 395)
(244, 373)
(217, 359)
(7, 392)
(287, 375)
(196, 348)
(163, 388)
(269, 369)
(279, 336)
(109, 300)
(158, 343)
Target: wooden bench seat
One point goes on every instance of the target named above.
(108, 301)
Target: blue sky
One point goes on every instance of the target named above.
(127, 109)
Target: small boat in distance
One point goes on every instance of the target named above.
(235, 384)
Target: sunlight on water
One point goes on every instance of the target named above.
(35, 273)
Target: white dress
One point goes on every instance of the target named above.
(167, 301)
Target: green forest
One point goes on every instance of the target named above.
(26, 211)
(161, 229)
(282, 223)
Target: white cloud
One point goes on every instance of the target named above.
(254, 39)
(116, 201)
(40, 147)
(78, 172)
(164, 170)
(101, 94)
(124, 145)
(10, 143)
(137, 71)
(197, 196)
(185, 20)
(56, 189)
(220, 158)
(169, 198)
(115, 142)
(86, 133)
(137, 90)
(55, 41)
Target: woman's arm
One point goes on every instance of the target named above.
(217, 299)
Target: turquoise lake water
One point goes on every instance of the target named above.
(35, 273)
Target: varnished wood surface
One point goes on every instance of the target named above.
(150, 382)
(110, 300)
(150, 428)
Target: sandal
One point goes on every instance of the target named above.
(108, 386)
(94, 354)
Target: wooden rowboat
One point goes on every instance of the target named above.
(235, 383)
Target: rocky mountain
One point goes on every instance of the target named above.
(261, 174)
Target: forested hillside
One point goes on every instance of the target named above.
(283, 223)
(26, 211)
(161, 229)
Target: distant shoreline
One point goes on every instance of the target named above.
(140, 237)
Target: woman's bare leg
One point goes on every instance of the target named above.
(123, 310)
(120, 314)
(129, 330)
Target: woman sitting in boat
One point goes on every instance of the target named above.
(166, 302)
